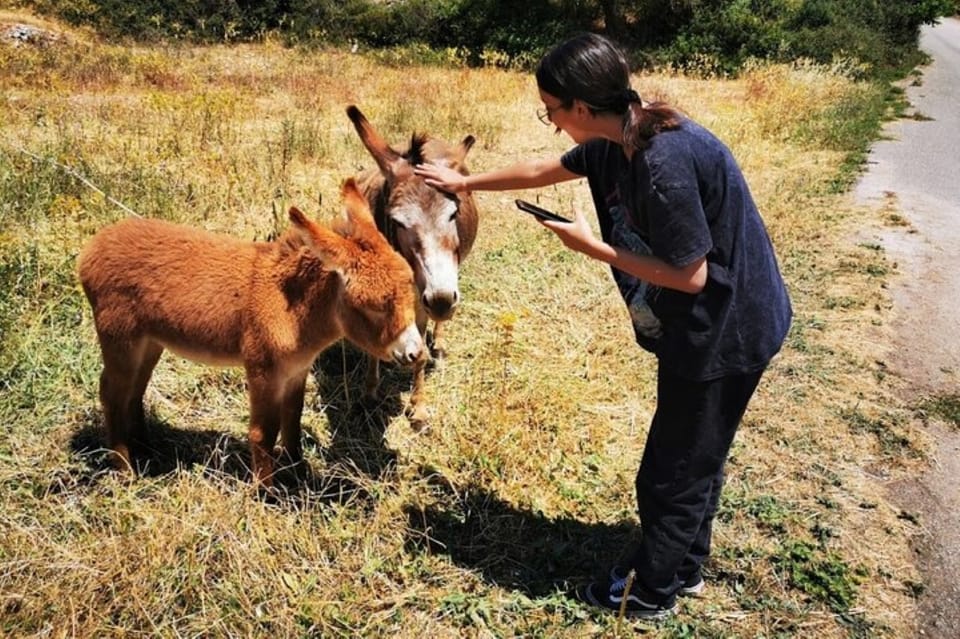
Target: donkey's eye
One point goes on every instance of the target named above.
(453, 216)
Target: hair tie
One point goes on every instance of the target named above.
(631, 96)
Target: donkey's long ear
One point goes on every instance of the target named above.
(460, 151)
(464, 147)
(326, 244)
(390, 161)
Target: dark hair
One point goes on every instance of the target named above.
(591, 68)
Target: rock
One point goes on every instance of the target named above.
(25, 34)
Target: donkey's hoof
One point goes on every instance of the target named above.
(419, 417)
(372, 398)
(122, 461)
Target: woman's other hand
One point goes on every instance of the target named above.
(576, 235)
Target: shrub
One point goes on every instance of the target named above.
(678, 32)
(196, 20)
(878, 34)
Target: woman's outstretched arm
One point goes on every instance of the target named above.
(523, 175)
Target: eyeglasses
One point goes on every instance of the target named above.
(545, 115)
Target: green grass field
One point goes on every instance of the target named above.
(522, 486)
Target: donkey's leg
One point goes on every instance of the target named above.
(417, 411)
(436, 346)
(290, 435)
(265, 412)
(147, 362)
(120, 363)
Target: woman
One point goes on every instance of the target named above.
(693, 261)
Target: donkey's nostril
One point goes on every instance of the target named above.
(410, 355)
(441, 306)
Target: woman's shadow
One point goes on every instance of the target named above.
(515, 547)
(510, 546)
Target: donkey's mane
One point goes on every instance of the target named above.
(415, 153)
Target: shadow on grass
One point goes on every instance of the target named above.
(168, 449)
(356, 445)
(357, 425)
(515, 547)
(171, 449)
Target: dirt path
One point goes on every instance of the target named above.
(920, 167)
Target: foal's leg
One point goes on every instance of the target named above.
(265, 418)
(118, 381)
(371, 383)
(147, 362)
(290, 435)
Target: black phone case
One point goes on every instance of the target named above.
(541, 213)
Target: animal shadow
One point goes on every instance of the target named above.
(516, 547)
(356, 442)
(167, 449)
(357, 424)
(219, 454)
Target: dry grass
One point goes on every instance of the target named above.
(523, 486)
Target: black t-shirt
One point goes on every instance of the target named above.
(685, 198)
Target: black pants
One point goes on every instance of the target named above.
(681, 475)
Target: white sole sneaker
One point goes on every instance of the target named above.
(687, 590)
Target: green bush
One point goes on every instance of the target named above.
(474, 26)
(512, 27)
(195, 20)
(881, 35)
(680, 32)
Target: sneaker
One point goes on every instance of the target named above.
(691, 587)
(611, 596)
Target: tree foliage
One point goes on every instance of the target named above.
(682, 32)
(872, 31)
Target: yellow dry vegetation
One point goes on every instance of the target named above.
(522, 487)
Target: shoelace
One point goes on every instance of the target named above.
(618, 586)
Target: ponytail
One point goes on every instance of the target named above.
(640, 123)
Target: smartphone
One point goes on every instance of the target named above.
(540, 213)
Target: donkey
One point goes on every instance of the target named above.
(271, 307)
(433, 230)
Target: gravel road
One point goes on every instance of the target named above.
(920, 167)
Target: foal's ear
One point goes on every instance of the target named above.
(326, 244)
(359, 216)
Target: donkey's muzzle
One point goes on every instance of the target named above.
(441, 307)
